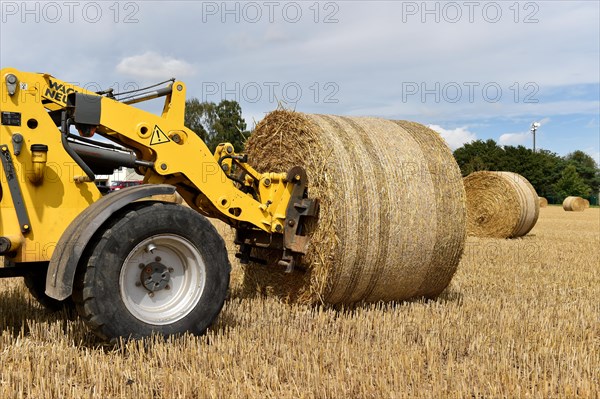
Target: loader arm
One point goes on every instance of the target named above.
(179, 157)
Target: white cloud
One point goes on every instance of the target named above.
(151, 65)
(514, 138)
(455, 138)
(544, 121)
(275, 34)
(519, 138)
(243, 42)
(593, 123)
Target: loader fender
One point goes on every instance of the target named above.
(72, 244)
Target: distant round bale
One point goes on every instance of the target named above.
(587, 203)
(543, 202)
(500, 204)
(574, 204)
(392, 224)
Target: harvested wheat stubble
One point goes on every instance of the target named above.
(500, 205)
(543, 202)
(392, 219)
(574, 204)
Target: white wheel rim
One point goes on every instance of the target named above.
(185, 285)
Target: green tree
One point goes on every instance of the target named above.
(229, 127)
(216, 124)
(200, 117)
(551, 166)
(542, 168)
(478, 155)
(570, 183)
(586, 168)
(552, 176)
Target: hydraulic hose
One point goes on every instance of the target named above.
(64, 124)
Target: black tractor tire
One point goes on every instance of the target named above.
(159, 268)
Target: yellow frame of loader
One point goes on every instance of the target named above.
(55, 190)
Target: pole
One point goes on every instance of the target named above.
(534, 127)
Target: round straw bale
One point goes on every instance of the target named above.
(587, 203)
(500, 204)
(574, 204)
(392, 223)
(543, 202)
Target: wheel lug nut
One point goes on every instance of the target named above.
(138, 284)
(167, 287)
(171, 270)
(157, 259)
(142, 265)
(151, 294)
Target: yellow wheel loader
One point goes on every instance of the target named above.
(131, 264)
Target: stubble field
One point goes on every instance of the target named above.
(521, 318)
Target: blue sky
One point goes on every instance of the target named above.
(471, 70)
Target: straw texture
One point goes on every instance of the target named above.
(500, 204)
(574, 204)
(392, 220)
(543, 202)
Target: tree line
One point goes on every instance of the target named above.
(552, 176)
(217, 123)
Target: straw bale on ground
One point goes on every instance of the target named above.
(574, 204)
(392, 220)
(500, 204)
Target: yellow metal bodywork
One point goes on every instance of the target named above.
(55, 200)
(55, 192)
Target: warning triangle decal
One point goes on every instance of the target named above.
(158, 136)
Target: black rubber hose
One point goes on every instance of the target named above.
(63, 138)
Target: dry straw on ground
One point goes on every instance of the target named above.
(574, 204)
(543, 202)
(392, 221)
(500, 204)
(519, 320)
